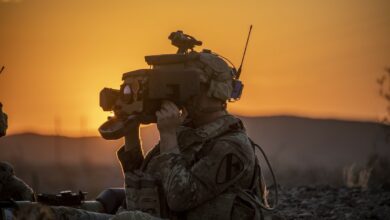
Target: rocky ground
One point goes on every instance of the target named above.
(325, 202)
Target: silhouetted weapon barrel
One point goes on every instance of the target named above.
(64, 198)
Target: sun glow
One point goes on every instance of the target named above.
(300, 60)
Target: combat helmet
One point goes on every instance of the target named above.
(216, 74)
(221, 78)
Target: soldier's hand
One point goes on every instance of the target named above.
(169, 117)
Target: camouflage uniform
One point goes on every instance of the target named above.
(205, 177)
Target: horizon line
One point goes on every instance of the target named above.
(238, 115)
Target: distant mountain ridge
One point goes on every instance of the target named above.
(321, 147)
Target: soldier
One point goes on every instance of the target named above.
(204, 166)
(11, 187)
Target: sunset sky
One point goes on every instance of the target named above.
(308, 58)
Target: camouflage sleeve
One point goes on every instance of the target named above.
(130, 160)
(70, 213)
(189, 185)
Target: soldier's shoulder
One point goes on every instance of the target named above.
(236, 142)
(237, 136)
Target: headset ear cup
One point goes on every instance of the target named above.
(220, 90)
(236, 93)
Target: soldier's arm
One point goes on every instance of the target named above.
(187, 186)
(130, 155)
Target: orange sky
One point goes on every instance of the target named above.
(308, 58)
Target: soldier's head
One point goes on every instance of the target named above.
(3, 121)
(216, 86)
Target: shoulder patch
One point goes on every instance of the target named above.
(229, 168)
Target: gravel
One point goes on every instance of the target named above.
(326, 202)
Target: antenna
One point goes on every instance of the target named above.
(243, 56)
